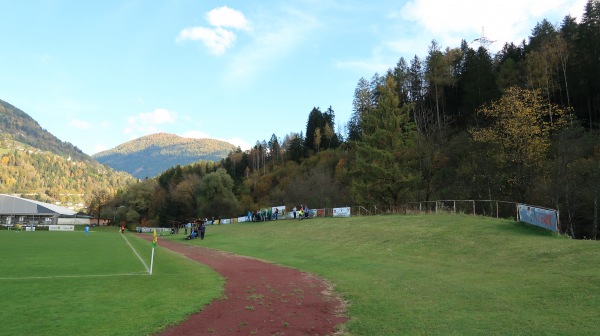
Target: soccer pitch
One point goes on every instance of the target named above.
(67, 283)
(52, 255)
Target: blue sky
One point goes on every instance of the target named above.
(100, 73)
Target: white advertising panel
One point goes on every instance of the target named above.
(61, 227)
(341, 212)
(544, 218)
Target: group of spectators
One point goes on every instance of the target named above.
(267, 214)
(262, 215)
(301, 213)
(196, 231)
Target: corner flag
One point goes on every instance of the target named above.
(154, 241)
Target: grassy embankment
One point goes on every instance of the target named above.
(436, 274)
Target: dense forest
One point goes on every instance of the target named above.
(520, 125)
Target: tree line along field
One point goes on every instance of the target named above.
(401, 275)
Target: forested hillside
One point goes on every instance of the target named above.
(35, 164)
(21, 127)
(520, 125)
(150, 155)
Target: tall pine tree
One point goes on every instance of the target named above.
(384, 171)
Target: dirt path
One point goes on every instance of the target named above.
(260, 299)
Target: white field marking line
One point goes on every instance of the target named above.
(74, 276)
(134, 251)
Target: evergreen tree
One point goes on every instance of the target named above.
(509, 66)
(383, 172)
(589, 46)
(477, 83)
(274, 148)
(315, 121)
(438, 75)
(327, 129)
(361, 105)
(295, 148)
(401, 75)
(541, 33)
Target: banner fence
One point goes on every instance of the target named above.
(539, 216)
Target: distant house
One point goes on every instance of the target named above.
(17, 210)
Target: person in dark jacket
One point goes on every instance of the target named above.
(202, 231)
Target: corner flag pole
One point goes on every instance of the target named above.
(154, 241)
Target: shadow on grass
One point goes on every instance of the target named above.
(522, 228)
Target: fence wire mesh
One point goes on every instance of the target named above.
(490, 208)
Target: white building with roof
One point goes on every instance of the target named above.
(19, 210)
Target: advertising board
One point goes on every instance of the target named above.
(341, 212)
(545, 218)
(61, 227)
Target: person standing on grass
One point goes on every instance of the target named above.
(202, 230)
(18, 228)
(87, 230)
(122, 229)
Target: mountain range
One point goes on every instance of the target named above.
(37, 165)
(150, 155)
(35, 162)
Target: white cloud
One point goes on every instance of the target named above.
(99, 148)
(227, 17)
(195, 135)
(277, 37)
(239, 142)
(147, 123)
(502, 21)
(79, 124)
(157, 117)
(217, 39)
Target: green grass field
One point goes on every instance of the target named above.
(402, 275)
(63, 283)
(436, 274)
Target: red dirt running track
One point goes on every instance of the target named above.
(260, 299)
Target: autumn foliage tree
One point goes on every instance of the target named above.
(521, 123)
(97, 201)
